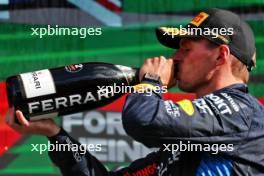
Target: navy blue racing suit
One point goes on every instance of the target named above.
(218, 134)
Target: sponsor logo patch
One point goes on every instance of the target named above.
(231, 101)
(187, 106)
(202, 106)
(198, 19)
(74, 68)
(219, 103)
(172, 109)
(146, 171)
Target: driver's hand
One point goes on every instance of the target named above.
(162, 67)
(45, 127)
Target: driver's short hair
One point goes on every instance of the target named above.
(239, 69)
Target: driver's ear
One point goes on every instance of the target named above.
(224, 53)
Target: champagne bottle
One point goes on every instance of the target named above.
(58, 91)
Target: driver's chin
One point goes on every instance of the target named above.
(184, 86)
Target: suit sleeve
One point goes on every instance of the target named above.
(215, 118)
(73, 163)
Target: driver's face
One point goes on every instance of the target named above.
(194, 61)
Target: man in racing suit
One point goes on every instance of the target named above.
(219, 133)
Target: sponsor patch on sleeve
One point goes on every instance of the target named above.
(172, 109)
(186, 106)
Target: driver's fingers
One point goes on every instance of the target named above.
(22, 120)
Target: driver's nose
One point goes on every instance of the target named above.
(177, 56)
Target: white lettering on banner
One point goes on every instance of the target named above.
(95, 123)
(72, 120)
(116, 150)
(104, 128)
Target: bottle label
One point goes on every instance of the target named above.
(38, 83)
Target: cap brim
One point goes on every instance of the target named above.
(169, 37)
